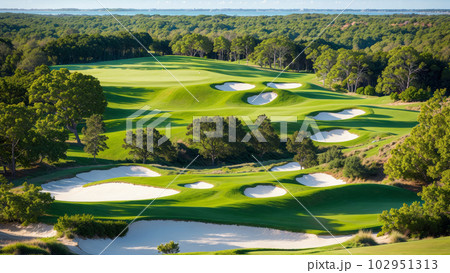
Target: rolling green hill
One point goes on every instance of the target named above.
(133, 83)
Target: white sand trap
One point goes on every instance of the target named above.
(262, 99)
(72, 189)
(286, 85)
(264, 191)
(319, 180)
(144, 236)
(291, 166)
(234, 86)
(199, 185)
(337, 135)
(345, 114)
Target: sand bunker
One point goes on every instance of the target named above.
(345, 114)
(286, 85)
(234, 86)
(264, 191)
(292, 166)
(144, 236)
(337, 135)
(262, 99)
(319, 180)
(199, 185)
(72, 189)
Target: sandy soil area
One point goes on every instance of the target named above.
(264, 191)
(319, 180)
(234, 86)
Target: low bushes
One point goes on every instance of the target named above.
(36, 247)
(87, 226)
(362, 238)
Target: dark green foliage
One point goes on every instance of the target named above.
(419, 220)
(25, 206)
(143, 150)
(414, 94)
(169, 248)
(353, 168)
(93, 139)
(305, 151)
(336, 163)
(71, 97)
(88, 227)
(272, 140)
(424, 155)
(331, 154)
(219, 144)
(395, 96)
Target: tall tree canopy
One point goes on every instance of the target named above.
(72, 96)
(425, 155)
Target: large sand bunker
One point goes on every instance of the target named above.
(72, 189)
(199, 185)
(264, 191)
(319, 180)
(144, 236)
(285, 85)
(337, 135)
(234, 86)
(262, 99)
(345, 114)
(291, 166)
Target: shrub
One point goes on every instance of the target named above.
(394, 96)
(336, 163)
(331, 154)
(169, 248)
(25, 206)
(420, 220)
(353, 167)
(362, 238)
(397, 237)
(87, 226)
(369, 90)
(36, 247)
(414, 94)
(360, 90)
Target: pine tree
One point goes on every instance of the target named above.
(94, 141)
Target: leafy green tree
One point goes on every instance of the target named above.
(402, 70)
(16, 121)
(169, 248)
(306, 153)
(420, 220)
(192, 45)
(214, 141)
(72, 96)
(141, 149)
(243, 45)
(324, 64)
(270, 140)
(331, 154)
(24, 206)
(353, 167)
(94, 140)
(414, 94)
(424, 155)
(221, 46)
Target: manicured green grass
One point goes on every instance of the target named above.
(342, 209)
(438, 246)
(133, 83)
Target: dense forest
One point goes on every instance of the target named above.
(405, 56)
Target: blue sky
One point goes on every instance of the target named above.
(249, 4)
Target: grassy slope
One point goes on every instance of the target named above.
(438, 246)
(342, 209)
(130, 84)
